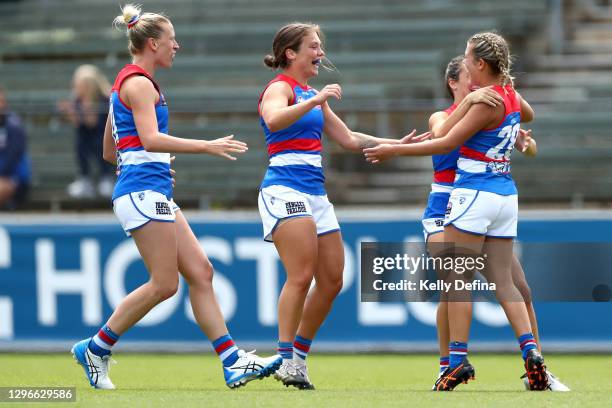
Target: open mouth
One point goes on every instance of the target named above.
(316, 62)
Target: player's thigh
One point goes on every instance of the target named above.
(296, 242)
(156, 242)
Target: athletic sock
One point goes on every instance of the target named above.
(444, 361)
(527, 342)
(226, 350)
(285, 349)
(102, 343)
(457, 353)
(301, 347)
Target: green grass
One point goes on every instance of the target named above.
(148, 380)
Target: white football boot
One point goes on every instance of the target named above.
(96, 367)
(249, 367)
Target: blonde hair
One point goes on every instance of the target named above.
(140, 26)
(494, 50)
(98, 85)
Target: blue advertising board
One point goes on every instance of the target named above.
(60, 281)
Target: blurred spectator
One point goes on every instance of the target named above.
(14, 162)
(87, 112)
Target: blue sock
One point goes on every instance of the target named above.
(226, 349)
(527, 342)
(285, 349)
(457, 352)
(444, 362)
(301, 347)
(102, 343)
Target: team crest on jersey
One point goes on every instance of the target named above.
(162, 208)
(461, 200)
(295, 207)
(299, 99)
(141, 195)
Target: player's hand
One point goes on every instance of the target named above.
(225, 147)
(172, 171)
(412, 137)
(329, 91)
(526, 144)
(485, 95)
(379, 153)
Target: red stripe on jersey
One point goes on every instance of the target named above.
(450, 109)
(295, 144)
(444, 176)
(129, 142)
(224, 346)
(476, 155)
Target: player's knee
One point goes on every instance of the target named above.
(334, 286)
(205, 274)
(301, 280)
(506, 291)
(200, 274)
(165, 290)
(524, 289)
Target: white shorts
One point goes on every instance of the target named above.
(278, 203)
(432, 226)
(134, 210)
(483, 213)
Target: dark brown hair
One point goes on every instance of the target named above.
(453, 69)
(289, 37)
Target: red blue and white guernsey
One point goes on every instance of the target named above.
(484, 160)
(295, 152)
(444, 166)
(139, 170)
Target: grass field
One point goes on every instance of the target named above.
(149, 380)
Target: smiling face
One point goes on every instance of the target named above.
(166, 46)
(461, 86)
(475, 66)
(307, 58)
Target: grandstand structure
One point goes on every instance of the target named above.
(390, 55)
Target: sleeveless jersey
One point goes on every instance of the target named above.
(484, 160)
(138, 169)
(444, 166)
(295, 152)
